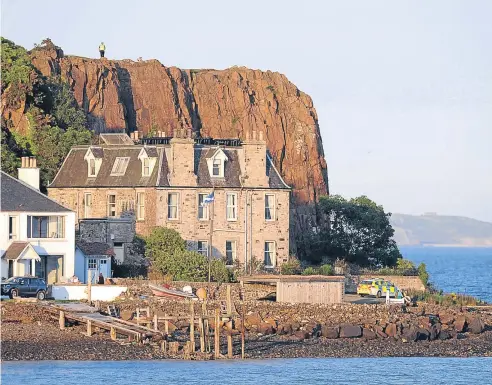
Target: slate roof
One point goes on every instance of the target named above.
(18, 196)
(14, 250)
(97, 152)
(151, 152)
(115, 139)
(72, 174)
(95, 248)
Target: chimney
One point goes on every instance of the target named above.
(29, 172)
(188, 132)
(261, 136)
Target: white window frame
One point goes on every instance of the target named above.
(169, 218)
(271, 252)
(140, 206)
(87, 207)
(231, 207)
(217, 165)
(92, 162)
(271, 208)
(146, 168)
(111, 204)
(205, 210)
(233, 251)
(120, 165)
(92, 262)
(14, 234)
(202, 250)
(56, 221)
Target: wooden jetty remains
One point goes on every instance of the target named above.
(92, 318)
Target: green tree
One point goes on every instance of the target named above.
(357, 230)
(10, 160)
(17, 68)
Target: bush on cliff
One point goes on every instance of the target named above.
(168, 254)
(356, 230)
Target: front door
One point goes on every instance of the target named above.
(54, 268)
(104, 268)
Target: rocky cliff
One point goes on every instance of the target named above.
(148, 96)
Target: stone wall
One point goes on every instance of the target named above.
(403, 282)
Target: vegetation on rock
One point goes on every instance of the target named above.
(356, 230)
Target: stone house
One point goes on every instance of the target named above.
(164, 181)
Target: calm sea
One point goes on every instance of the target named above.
(456, 269)
(366, 371)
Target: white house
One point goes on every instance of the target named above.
(37, 234)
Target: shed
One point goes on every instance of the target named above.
(303, 289)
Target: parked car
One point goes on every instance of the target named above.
(24, 287)
(369, 286)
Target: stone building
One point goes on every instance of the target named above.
(164, 181)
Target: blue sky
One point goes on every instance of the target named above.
(403, 89)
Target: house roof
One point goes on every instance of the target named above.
(116, 139)
(19, 196)
(72, 174)
(95, 248)
(14, 250)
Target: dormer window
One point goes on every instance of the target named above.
(148, 157)
(92, 167)
(119, 166)
(216, 159)
(146, 167)
(216, 166)
(93, 157)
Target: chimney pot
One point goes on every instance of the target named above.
(247, 135)
(34, 162)
(254, 135)
(159, 134)
(189, 133)
(163, 134)
(175, 133)
(261, 135)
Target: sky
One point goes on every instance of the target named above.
(403, 89)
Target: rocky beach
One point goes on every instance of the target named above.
(273, 330)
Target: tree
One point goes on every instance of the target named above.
(357, 230)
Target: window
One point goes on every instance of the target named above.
(119, 166)
(146, 167)
(202, 208)
(87, 205)
(269, 254)
(231, 206)
(172, 205)
(45, 227)
(216, 165)
(92, 167)
(230, 252)
(111, 205)
(269, 207)
(140, 205)
(203, 248)
(92, 264)
(13, 228)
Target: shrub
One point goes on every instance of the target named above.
(404, 264)
(423, 274)
(309, 271)
(293, 266)
(325, 270)
(219, 271)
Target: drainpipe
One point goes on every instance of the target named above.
(246, 231)
(251, 232)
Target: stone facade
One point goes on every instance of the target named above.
(248, 184)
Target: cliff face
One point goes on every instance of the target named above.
(144, 96)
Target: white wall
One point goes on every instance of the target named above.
(79, 292)
(46, 246)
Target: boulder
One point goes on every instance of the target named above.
(446, 318)
(476, 325)
(271, 322)
(266, 329)
(330, 332)
(434, 331)
(301, 335)
(368, 334)
(252, 320)
(391, 330)
(284, 329)
(313, 328)
(445, 335)
(460, 324)
(350, 331)
(296, 326)
(410, 334)
(423, 334)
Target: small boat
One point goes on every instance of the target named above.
(168, 292)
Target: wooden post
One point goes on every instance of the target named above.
(155, 322)
(202, 335)
(206, 326)
(229, 300)
(242, 332)
(89, 328)
(192, 326)
(229, 344)
(166, 324)
(217, 334)
(164, 346)
(113, 334)
(89, 287)
(62, 320)
(138, 316)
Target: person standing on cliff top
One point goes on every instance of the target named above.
(102, 48)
